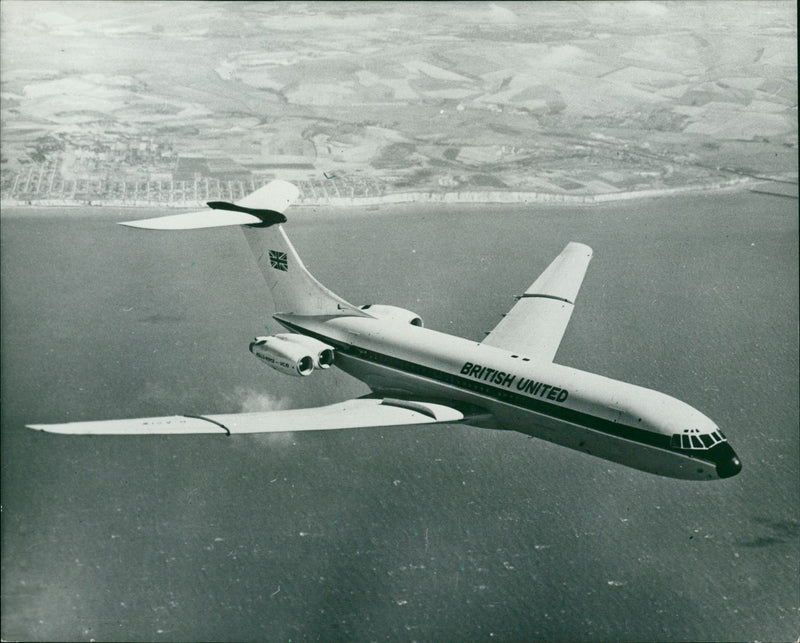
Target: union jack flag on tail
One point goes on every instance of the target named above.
(278, 260)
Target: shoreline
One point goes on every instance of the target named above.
(482, 197)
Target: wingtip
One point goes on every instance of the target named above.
(61, 429)
(580, 247)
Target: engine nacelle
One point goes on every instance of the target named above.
(393, 313)
(321, 353)
(292, 354)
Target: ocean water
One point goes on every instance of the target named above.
(424, 533)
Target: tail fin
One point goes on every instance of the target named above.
(260, 214)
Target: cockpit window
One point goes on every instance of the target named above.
(693, 439)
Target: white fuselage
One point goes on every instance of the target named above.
(607, 418)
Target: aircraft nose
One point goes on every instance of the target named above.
(728, 463)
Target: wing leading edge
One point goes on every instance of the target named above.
(536, 324)
(352, 414)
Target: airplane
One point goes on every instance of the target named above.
(418, 376)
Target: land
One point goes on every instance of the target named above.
(143, 103)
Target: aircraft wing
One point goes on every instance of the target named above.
(358, 413)
(535, 325)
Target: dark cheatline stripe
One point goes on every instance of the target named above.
(627, 432)
(267, 217)
(501, 395)
(714, 455)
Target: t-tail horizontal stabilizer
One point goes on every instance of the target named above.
(262, 208)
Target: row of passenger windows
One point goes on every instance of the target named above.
(698, 441)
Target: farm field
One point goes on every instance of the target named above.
(564, 99)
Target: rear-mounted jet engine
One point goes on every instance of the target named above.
(292, 354)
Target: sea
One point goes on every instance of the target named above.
(430, 533)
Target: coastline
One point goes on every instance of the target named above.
(463, 197)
